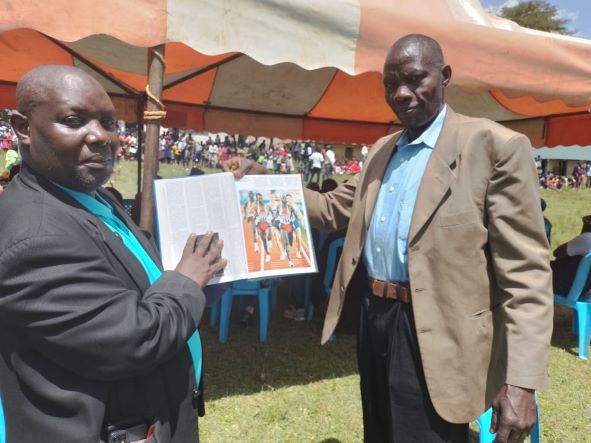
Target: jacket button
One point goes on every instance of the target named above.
(196, 393)
(354, 261)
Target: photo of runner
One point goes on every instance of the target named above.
(250, 212)
(274, 231)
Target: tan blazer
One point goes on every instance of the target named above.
(478, 261)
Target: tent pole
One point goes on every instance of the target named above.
(152, 118)
(139, 102)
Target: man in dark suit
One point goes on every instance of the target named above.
(93, 336)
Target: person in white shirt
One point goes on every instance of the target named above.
(316, 160)
(364, 152)
(329, 158)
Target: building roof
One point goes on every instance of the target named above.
(564, 153)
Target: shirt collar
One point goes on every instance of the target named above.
(429, 136)
(97, 204)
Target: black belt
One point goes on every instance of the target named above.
(390, 289)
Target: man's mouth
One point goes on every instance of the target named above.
(406, 110)
(97, 161)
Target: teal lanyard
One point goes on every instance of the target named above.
(103, 210)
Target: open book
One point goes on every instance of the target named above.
(262, 220)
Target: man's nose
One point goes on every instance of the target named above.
(402, 94)
(97, 134)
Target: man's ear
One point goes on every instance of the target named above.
(445, 75)
(20, 124)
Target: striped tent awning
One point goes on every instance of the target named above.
(303, 69)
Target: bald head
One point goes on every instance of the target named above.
(35, 87)
(415, 75)
(67, 127)
(420, 45)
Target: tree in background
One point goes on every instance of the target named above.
(537, 14)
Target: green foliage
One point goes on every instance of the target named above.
(537, 14)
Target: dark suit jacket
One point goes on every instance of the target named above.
(84, 339)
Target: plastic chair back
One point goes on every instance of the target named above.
(582, 307)
(485, 419)
(576, 290)
(245, 288)
(331, 263)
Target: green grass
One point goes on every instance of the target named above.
(291, 389)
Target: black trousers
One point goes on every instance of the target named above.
(396, 404)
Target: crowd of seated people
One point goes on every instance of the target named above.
(580, 177)
(183, 148)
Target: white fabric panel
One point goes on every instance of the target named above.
(285, 88)
(311, 33)
(478, 105)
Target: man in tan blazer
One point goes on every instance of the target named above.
(469, 324)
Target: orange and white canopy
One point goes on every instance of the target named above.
(303, 68)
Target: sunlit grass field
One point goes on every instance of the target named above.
(291, 389)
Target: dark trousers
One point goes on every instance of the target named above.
(396, 404)
(315, 172)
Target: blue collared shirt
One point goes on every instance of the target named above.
(104, 211)
(386, 249)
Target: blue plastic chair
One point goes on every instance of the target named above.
(331, 265)
(581, 304)
(214, 312)
(484, 421)
(244, 288)
(329, 271)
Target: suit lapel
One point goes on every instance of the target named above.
(141, 237)
(375, 174)
(438, 176)
(129, 262)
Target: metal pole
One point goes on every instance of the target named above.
(139, 102)
(152, 119)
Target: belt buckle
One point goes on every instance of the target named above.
(378, 287)
(392, 291)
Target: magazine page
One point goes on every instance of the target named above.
(199, 204)
(275, 224)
